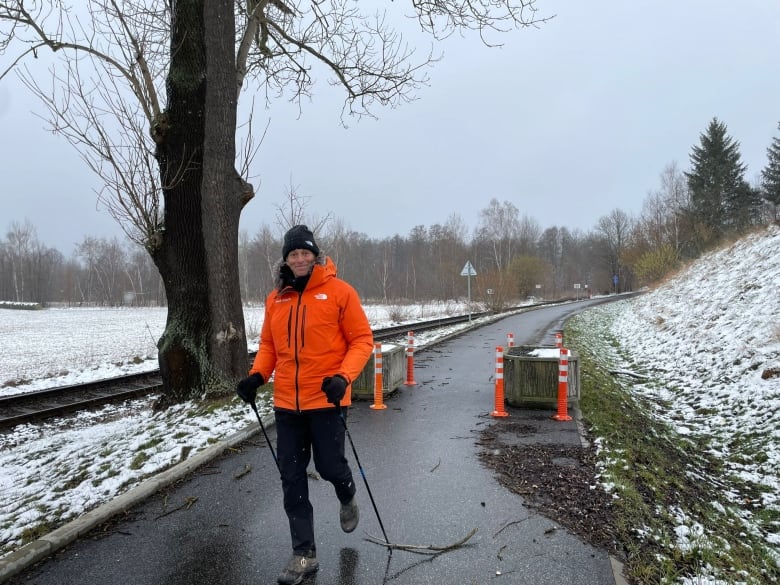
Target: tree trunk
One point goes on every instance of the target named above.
(203, 348)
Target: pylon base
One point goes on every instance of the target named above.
(561, 417)
(412, 383)
(378, 406)
(497, 413)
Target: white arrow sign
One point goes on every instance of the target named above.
(468, 269)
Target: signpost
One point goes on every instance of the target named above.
(468, 271)
(577, 288)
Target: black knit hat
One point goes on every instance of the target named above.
(299, 237)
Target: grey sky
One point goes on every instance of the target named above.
(568, 122)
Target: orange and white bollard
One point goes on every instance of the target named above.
(499, 393)
(510, 340)
(563, 386)
(378, 382)
(410, 359)
(559, 339)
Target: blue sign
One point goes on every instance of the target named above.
(615, 279)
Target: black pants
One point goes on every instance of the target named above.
(297, 435)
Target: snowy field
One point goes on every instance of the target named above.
(712, 334)
(58, 347)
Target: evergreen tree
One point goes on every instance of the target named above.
(720, 197)
(770, 176)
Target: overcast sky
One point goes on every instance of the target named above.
(568, 122)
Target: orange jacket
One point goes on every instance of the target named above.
(307, 336)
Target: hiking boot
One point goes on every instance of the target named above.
(349, 515)
(298, 567)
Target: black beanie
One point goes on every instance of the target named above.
(299, 237)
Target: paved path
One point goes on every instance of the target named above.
(420, 458)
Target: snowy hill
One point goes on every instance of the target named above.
(712, 334)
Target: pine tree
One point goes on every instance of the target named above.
(770, 175)
(721, 199)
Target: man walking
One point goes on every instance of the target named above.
(315, 340)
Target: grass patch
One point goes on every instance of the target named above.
(139, 460)
(73, 481)
(151, 443)
(674, 514)
(36, 531)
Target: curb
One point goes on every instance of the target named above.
(617, 566)
(45, 546)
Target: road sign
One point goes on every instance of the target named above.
(468, 269)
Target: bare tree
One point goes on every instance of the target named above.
(293, 212)
(105, 263)
(20, 240)
(27, 267)
(142, 277)
(614, 231)
(499, 230)
(243, 263)
(169, 163)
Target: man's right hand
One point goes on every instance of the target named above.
(247, 388)
(334, 387)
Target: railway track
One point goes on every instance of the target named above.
(30, 406)
(34, 406)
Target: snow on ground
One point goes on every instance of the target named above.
(712, 334)
(59, 347)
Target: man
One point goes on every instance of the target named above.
(316, 340)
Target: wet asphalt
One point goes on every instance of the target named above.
(224, 523)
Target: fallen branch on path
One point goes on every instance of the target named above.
(422, 549)
(189, 501)
(507, 525)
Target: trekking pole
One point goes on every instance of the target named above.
(262, 426)
(362, 473)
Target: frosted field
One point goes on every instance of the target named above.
(62, 346)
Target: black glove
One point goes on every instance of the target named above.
(247, 388)
(334, 387)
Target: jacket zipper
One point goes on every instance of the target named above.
(295, 347)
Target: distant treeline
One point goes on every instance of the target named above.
(514, 257)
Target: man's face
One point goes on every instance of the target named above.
(300, 262)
